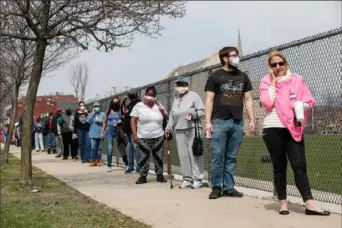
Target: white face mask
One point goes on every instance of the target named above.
(149, 97)
(235, 62)
(182, 90)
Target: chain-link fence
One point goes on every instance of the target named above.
(318, 59)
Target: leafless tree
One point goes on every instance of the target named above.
(78, 78)
(78, 24)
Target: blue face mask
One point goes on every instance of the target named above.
(97, 109)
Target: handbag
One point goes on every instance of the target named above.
(197, 145)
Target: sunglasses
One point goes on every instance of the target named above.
(278, 63)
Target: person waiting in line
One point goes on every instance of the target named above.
(81, 132)
(111, 122)
(38, 134)
(132, 149)
(64, 122)
(283, 133)
(95, 120)
(181, 120)
(51, 138)
(148, 133)
(56, 129)
(228, 90)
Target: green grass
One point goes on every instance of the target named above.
(55, 206)
(323, 155)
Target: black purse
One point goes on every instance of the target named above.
(197, 145)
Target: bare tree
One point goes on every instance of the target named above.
(79, 24)
(78, 78)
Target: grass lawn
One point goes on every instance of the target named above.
(323, 153)
(55, 206)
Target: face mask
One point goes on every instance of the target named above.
(182, 90)
(131, 96)
(149, 101)
(97, 109)
(115, 106)
(68, 112)
(235, 62)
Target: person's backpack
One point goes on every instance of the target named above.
(67, 123)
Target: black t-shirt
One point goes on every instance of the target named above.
(229, 89)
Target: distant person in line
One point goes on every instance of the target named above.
(38, 134)
(182, 120)
(56, 129)
(228, 89)
(81, 132)
(283, 133)
(65, 122)
(95, 120)
(132, 149)
(51, 138)
(148, 133)
(111, 123)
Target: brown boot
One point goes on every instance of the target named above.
(99, 163)
(93, 163)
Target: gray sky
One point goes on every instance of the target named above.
(207, 27)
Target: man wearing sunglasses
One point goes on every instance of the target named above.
(227, 90)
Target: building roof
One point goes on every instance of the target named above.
(186, 68)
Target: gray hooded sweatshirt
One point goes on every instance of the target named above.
(181, 108)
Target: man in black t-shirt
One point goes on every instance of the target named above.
(227, 90)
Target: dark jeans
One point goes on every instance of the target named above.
(224, 146)
(84, 144)
(69, 143)
(280, 144)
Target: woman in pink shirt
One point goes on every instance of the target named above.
(283, 133)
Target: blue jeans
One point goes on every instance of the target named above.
(51, 141)
(111, 139)
(132, 149)
(96, 148)
(84, 144)
(224, 145)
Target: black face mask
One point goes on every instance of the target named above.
(68, 112)
(131, 96)
(115, 106)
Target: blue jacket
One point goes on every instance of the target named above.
(95, 126)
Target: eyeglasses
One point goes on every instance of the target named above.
(278, 63)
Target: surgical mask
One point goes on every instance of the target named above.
(182, 90)
(149, 97)
(235, 62)
(97, 109)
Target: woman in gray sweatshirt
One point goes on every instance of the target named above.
(182, 121)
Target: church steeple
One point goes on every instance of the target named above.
(239, 47)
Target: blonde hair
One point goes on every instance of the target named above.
(279, 54)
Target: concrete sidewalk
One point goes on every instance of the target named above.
(158, 205)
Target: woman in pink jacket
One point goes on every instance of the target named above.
(283, 133)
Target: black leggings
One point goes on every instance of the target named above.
(280, 143)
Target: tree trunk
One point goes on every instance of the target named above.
(26, 150)
(14, 101)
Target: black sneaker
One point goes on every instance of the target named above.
(141, 180)
(215, 193)
(53, 151)
(58, 156)
(233, 193)
(161, 178)
(49, 151)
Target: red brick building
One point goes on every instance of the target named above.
(46, 104)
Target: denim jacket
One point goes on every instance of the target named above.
(95, 121)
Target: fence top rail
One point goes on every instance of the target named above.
(309, 39)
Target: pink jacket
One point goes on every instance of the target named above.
(287, 92)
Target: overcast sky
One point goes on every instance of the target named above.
(207, 27)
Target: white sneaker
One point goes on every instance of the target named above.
(109, 169)
(185, 184)
(197, 184)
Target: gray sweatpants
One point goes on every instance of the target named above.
(156, 147)
(59, 145)
(191, 166)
